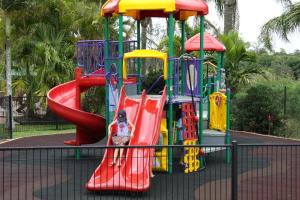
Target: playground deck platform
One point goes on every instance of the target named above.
(175, 99)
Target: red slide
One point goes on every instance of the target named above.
(64, 100)
(134, 173)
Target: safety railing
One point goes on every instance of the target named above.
(191, 73)
(177, 79)
(90, 54)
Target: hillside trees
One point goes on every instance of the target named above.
(44, 34)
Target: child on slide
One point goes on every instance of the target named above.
(122, 135)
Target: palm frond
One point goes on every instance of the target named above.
(285, 2)
(282, 25)
(219, 5)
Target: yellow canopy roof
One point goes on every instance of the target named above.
(166, 5)
(146, 54)
(139, 9)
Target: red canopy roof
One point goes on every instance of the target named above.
(182, 9)
(210, 43)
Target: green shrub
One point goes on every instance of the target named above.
(290, 129)
(251, 110)
(149, 80)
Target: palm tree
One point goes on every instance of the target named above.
(282, 25)
(146, 27)
(231, 15)
(7, 8)
(238, 61)
(229, 9)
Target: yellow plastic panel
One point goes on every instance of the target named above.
(218, 111)
(146, 54)
(162, 156)
(184, 15)
(129, 5)
(191, 161)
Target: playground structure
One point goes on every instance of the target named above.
(116, 65)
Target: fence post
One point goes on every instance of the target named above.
(56, 123)
(284, 101)
(10, 117)
(234, 171)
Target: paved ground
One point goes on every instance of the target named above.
(269, 172)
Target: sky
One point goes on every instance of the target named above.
(253, 14)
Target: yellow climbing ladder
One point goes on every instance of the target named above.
(191, 154)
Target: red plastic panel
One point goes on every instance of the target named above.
(188, 121)
(111, 7)
(192, 5)
(62, 101)
(210, 43)
(133, 174)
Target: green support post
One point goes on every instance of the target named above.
(222, 59)
(215, 81)
(182, 60)
(106, 65)
(78, 153)
(200, 122)
(170, 92)
(139, 83)
(208, 100)
(121, 52)
(201, 81)
(228, 154)
(219, 60)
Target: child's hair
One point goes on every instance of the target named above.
(178, 113)
(122, 116)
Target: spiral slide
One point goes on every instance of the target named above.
(134, 173)
(64, 100)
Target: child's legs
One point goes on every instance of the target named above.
(116, 154)
(125, 141)
(121, 152)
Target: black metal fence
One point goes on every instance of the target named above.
(22, 116)
(5, 118)
(256, 172)
(269, 172)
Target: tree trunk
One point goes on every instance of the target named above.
(229, 15)
(144, 23)
(8, 65)
(8, 55)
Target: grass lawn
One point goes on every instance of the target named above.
(36, 130)
(41, 132)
